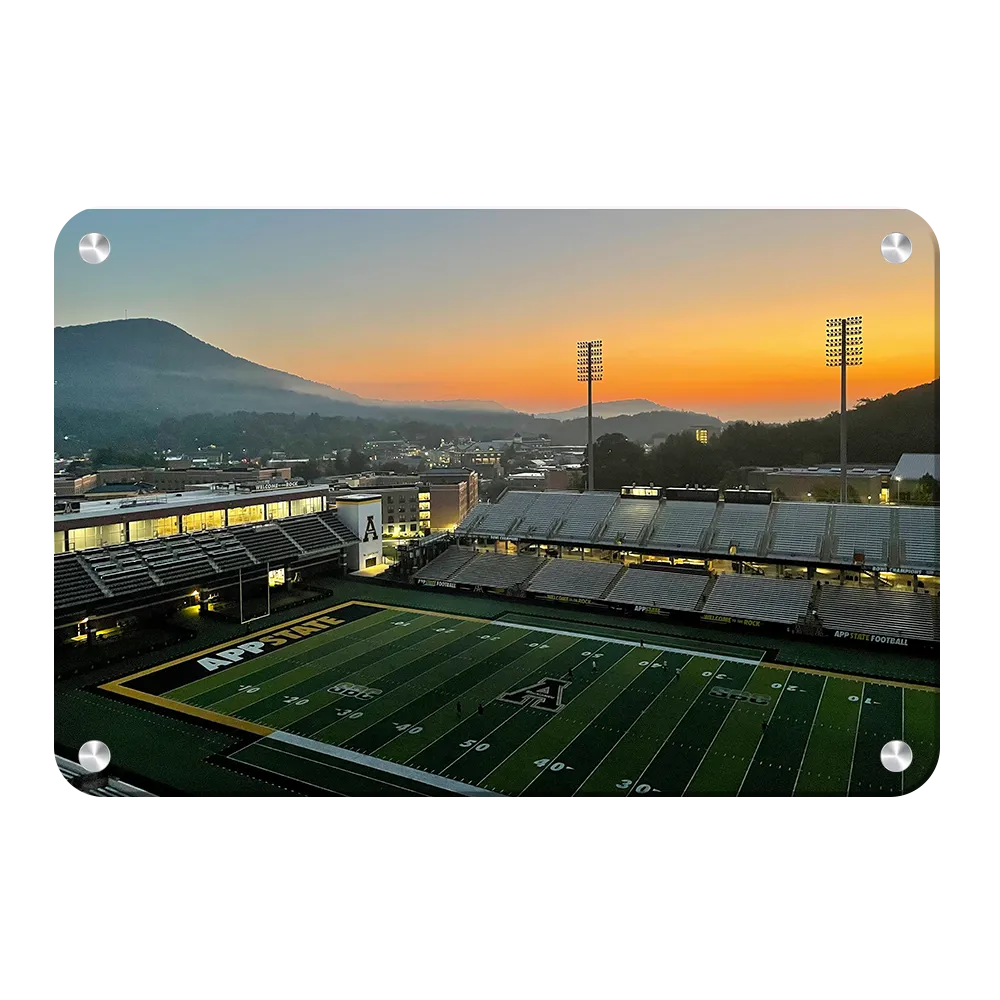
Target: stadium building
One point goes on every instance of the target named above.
(155, 554)
(843, 571)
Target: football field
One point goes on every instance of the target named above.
(370, 699)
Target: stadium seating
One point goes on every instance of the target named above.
(797, 529)
(120, 569)
(574, 578)
(759, 597)
(541, 517)
(73, 584)
(859, 528)
(628, 519)
(653, 588)
(266, 542)
(919, 539)
(679, 526)
(451, 560)
(500, 517)
(742, 525)
(224, 550)
(492, 569)
(334, 524)
(311, 533)
(174, 559)
(884, 612)
(584, 517)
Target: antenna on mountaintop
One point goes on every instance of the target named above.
(126, 314)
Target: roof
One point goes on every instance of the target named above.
(913, 466)
(163, 504)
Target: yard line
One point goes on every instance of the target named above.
(460, 722)
(288, 777)
(694, 701)
(631, 642)
(343, 770)
(715, 737)
(388, 766)
(627, 731)
(482, 739)
(770, 715)
(578, 734)
(857, 729)
(798, 773)
(902, 736)
(417, 695)
(555, 715)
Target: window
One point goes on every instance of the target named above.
(203, 520)
(276, 510)
(246, 515)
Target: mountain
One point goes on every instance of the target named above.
(153, 367)
(617, 408)
(476, 405)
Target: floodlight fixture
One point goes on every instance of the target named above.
(844, 348)
(590, 369)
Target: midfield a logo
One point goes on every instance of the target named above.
(371, 535)
(546, 694)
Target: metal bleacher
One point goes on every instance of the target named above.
(659, 589)
(175, 558)
(886, 612)
(584, 517)
(919, 539)
(574, 578)
(446, 564)
(542, 516)
(628, 519)
(311, 533)
(759, 597)
(679, 525)
(742, 525)
(266, 542)
(73, 584)
(860, 529)
(797, 530)
(491, 569)
(500, 517)
(120, 569)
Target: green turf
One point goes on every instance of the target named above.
(426, 691)
(920, 731)
(826, 766)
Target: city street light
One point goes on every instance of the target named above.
(590, 369)
(843, 351)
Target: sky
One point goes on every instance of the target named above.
(722, 312)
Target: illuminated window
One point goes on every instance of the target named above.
(701, 435)
(60, 541)
(250, 514)
(203, 520)
(96, 535)
(138, 530)
(277, 510)
(308, 505)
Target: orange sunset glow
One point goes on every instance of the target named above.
(716, 311)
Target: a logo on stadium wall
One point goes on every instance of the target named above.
(546, 694)
(371, 535)
(887, 640)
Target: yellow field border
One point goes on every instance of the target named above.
(179, 706)
(119, 686)
(853, 677)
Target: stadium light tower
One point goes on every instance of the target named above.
(843, 351)
(590, 369)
